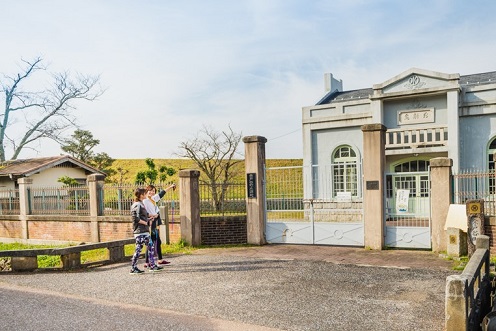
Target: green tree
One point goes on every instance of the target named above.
(103, 162)
(81, 145)
(29, 116)
(69, 181)
(151, 174)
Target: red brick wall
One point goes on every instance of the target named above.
(60, 230)
(491, 232)
(112, 229)
(174, 232)
(10, 229)
(223, 230)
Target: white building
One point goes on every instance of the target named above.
(426, 115)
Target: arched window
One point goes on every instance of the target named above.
(491, 165)
(345, 171)
(490, 155)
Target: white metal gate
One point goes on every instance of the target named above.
(407, 210)
(300, 211)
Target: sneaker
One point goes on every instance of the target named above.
(156, 268)
(163, 262)
(146, 265)
(136, 271)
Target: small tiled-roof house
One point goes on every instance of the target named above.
(44, 171)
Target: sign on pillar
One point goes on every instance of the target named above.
(475, 223)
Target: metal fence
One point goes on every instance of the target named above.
(284, 193)
(117, 199)
(9, 202)
(67, 200)
(476, 184)
(222, 199)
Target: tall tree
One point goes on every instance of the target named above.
(31, 116)
(213, 152)
(103, 162)
(80, 145)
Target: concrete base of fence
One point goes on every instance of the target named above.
(71, 261)
(24, 263)
(116, 253)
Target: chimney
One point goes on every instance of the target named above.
(331, 84)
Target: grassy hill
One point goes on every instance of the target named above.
(132, 166)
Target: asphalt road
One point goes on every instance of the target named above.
(227, 292)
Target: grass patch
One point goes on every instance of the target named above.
(461, 263)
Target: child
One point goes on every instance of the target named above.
(141, 230)
(150, 204)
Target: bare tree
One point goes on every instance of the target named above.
(213, 152)
(44, 113)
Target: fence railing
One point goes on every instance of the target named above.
(419, 137)
(222, 199)
(476, 184)
(67, 200)
(74, 200)
(9, 202)
(468, 295)
(117, 199)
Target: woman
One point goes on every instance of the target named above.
(141, 230)
(150, 204)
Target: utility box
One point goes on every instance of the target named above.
(475, 222)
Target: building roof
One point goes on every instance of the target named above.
(27, 167)
(466, 80)
(478, 79)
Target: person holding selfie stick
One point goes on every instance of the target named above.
(141, 230)
(150, 203)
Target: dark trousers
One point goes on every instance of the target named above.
(157, 245)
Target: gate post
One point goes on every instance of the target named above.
(374, 159)
(95, 185)
(24, 183)
(189, 202)
(440, 175)
(255, 197)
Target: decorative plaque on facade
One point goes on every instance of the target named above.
(416, 116)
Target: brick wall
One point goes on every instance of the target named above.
(490, 231)
(112, 228)
(10, 229)
(223, 230)
(78, 231)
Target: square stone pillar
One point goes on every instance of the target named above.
(24, 197)
(374, 159)
(440, 176)
(189, 202)
(95, 190)
(455, 310)
(255, 193)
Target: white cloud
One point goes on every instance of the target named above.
(172, 66)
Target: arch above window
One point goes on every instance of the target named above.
(343, 154)
(412, 166)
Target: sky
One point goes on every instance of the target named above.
(170, 67)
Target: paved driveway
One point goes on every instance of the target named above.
(238, 289)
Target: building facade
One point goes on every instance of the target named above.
(425, 115)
